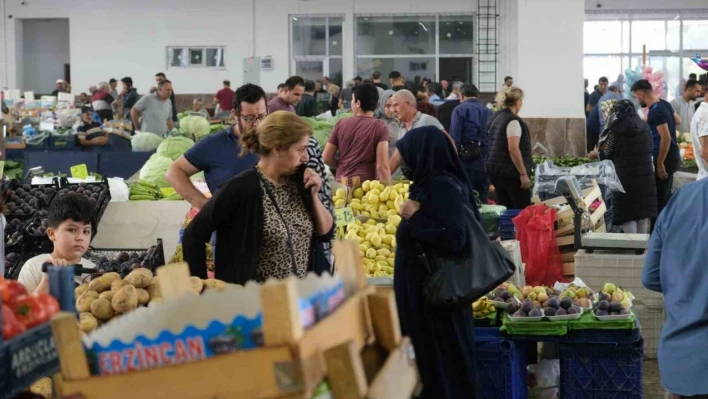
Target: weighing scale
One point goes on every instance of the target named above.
(591, 241)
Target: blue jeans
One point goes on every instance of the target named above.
(478, 180)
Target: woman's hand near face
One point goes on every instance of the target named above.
(313, 181)
(409, 208)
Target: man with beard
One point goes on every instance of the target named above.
(666, 154)
(685, 104)
(217, 155)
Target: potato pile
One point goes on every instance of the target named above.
(109, 296)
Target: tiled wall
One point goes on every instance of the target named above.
(561, 136)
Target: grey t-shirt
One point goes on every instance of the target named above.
(421, 120)
(155, 114)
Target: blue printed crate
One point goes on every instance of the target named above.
(501, 365)
(601, 370)
(507, 229)
(26, 358)
(62, 141)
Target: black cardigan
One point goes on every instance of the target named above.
(236, 214)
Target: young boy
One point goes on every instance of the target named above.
(69, 228)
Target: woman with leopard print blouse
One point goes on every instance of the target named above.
(269, 220)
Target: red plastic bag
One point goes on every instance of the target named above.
(535, 230)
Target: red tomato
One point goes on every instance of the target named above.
(10, 325)
(49, 303)
(4, 293)
(13, 290)
(28, 311)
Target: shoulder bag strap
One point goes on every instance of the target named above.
(289, 238)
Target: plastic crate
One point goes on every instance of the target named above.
(601, 371)
(616, 337)
(26, 358)
(501, 365)
(155, 258)
(62, 141)
(653, 315)
(507, 229)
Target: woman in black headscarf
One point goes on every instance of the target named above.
(443, 339)
(628, 143)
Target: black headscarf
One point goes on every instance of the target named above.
(429, 153)
(624, 107)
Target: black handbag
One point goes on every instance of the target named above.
(456, 282)
(470, 151)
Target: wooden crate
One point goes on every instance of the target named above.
(358, 347)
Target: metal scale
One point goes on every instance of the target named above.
(591, 241)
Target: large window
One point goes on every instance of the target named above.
(421, 46)
(612, 46)
(316, 47)
(195, 57)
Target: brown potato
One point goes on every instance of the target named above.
(125, 300)
(100, 284)
(197, 284)
(101, 308)
(112, 276)
(143, 296)
(107, 295)
(154, 289)
(83, 303)
(118, 284)
(139, 278)
(87, 322)
(81, 289)
(215, 284)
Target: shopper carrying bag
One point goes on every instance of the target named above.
(435, 223)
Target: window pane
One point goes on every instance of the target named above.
(651, 33)
(195, 56)
(410, 68)
(456, 35)
(625, 36)
(215, 57)
(335, 36)
(396, 35)
(335, 71)
(309, 36)
(596, 67)
(456, 69)
(672, 75)
(673, 35)
(602, 37)
(310, 70)
(176, 56)
(695, 36)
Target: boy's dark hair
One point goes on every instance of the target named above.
(112, 81)
(161, 74)
(691, 83)
(309, 86)
(367, 95)
(394, 75)
(293, 82)
(469, 90)
(603, 80)
(691, 76)
(127, 80)
(248, 93)
(71, 206)
(642, 85)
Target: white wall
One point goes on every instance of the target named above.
(645, 5)
(45, 50)
(549, 58)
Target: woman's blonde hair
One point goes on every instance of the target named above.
(333, 89)
(509, 97)
(278, 130)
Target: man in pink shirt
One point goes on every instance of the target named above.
(289, 96)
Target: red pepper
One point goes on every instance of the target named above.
(10, 325)
(49, 303)
(11, 290)
(29, 311)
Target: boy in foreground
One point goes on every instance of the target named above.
(69, 229)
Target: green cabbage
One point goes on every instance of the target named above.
(155, 169)
(321, 128)
(175, 146)
(194, 126)
(145, 142)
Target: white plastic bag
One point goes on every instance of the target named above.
(547, 374)
(119, 190)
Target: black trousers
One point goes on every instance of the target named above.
(510, 194)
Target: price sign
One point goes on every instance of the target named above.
(344, 216)
(167, 191)
(79, 171)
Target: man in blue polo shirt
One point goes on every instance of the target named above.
(665, 151)
(468, 128)
(218, 154)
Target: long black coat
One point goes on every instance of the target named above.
(633, 162)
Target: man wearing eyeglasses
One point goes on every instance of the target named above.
(218, 154)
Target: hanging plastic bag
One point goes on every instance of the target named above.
(535, 228)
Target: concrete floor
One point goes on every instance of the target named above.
(651, 383)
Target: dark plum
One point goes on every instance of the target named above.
(600, 312)
(535, 312)
(615, 307)
(553, 302)
(566, 303)
(519, 313)
(549, 311)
